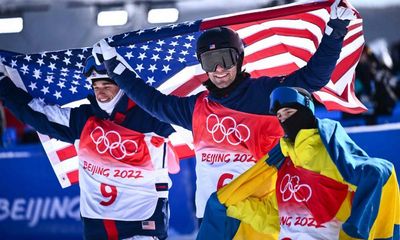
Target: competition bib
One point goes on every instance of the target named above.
(308, 203)
(227, 143)
(119, 169)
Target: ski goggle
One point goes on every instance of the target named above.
(286, 97)
(225, 57)
(91, 66)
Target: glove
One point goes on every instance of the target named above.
(341, 14)
(103, 52)
(102, 47)
(343, 10)
(97, 54)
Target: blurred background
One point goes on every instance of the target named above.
(32, 203)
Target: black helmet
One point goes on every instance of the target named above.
(217, 38)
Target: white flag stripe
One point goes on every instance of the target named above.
(274, 61)
(290, 24)
(343, 82)
(356, 21)
(349, 48)
(354, 31)
(201, 88)
(328, 97)
(76, 103)
(351, 101)
(322, 13)
(287, 24)
(182, 77)
(54, 145)
(16, 78)
(54, 159)
(43, 138)
(272, 41)
(181, 136)
(66, 166)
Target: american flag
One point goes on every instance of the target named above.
(278, 41)
(54, 77)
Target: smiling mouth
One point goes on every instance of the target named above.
(221, 76)
(103, 99)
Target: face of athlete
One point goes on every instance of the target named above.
(222, 77)
(104, 90)
(285, 113)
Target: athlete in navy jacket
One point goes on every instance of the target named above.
(227, 138)
(123, 175)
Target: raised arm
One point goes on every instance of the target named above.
(47, 119)
(167, 108)
(318, 71)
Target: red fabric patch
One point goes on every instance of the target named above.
(66, 153)
(297, 188)
(111, 229)
(115, 143)
(183, 151)
(157, 141)
(119, 117)
(73, 176)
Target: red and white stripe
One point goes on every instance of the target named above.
(339, 94)
(63, 159)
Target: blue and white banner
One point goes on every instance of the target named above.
(32, 203)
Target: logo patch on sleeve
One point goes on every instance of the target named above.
(148, 225)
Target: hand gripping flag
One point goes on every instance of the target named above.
(278, 41)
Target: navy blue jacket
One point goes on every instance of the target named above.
(66, 124)
(251, 95)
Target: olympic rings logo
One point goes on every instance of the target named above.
(111, 141)
(290, 185)
(235, 134)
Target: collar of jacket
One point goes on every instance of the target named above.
(121, 107)
(218, 93)
(307, 144)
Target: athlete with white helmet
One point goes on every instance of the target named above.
(123, 154)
